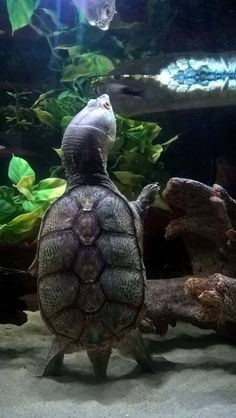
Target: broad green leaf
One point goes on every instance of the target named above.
(7, 209)
(128, 178)
(30, 206)
(89, 65)
(136, 163)
(7, 205)
(161, 204)
(20, 227)
(45, 117)
(73, 51)
(19, 168)
(20, 12)
(102, 64)
(49, 189)
(43, 96)
(24, 185)
(155, 153)
(6, 192)
(67, 94)
(58, 151)
(73, 72)
(66, 120)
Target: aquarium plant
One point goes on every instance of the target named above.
(23, 204)
(76, 60)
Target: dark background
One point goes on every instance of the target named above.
(177, 26)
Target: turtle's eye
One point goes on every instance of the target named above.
(106, 12)
(106, 104)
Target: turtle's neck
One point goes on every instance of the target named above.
(95, 179)
(83, 162)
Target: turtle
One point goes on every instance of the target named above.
(89, 262)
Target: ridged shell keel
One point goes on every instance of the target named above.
(88, 264)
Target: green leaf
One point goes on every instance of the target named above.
(24, 185)
(20, 12)
(161, 204)
(45, 117)
(89, 65)
(73, 72)
(102, 64)
(67, 94)
(128, 178)
(20, 227)
(136, 163)
(58, 151)
(7, 206)
(155, 153)
(30, 206)
(19, 168)
(73, 51)
(6, 192)
(49, 189)
(66, 120)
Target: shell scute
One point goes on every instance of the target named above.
(123, 286)
(119, 250)
(114, 215)
(87, 196)
(95, 332)
(116, 317)
(88, 264)
(86, 227)
(60, 215)
(56, 255)
(91, 297)
(69, 323)
(51, 289)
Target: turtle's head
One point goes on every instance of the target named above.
(88, 139)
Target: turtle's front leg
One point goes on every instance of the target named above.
(146, 198)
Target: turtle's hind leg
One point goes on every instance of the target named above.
(51, 366)
(99, 359)
(133, 346)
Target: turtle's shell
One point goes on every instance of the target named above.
(91, 276)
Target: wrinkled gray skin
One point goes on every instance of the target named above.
(91, 276)
(98, 12)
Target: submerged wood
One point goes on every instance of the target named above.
(207, 225)
(167, 303)
(215, 297)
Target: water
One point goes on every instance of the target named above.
(169, 68)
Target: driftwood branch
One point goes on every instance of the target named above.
(207, 225)
(215, 297)
(167, 303)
